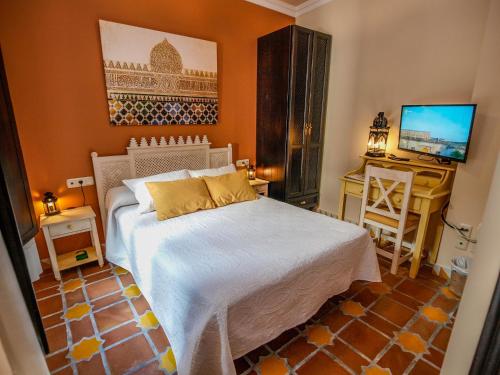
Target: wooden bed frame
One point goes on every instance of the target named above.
(146, 159)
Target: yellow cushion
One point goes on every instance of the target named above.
(230, 188)
(176, 198)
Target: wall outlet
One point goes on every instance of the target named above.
(75, 182)
(243, 163)
(462, 243)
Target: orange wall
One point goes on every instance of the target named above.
(52, 55)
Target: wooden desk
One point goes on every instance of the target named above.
(430, 191)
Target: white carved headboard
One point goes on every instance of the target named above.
(146, 159)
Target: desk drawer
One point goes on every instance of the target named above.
(260, 189)
(357, 190)
(62, 229)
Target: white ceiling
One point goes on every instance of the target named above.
(292, 8)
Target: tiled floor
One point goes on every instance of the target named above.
(97, 322)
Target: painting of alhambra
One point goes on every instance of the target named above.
(157, 78)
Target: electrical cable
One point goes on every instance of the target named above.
(458, 230)
(83, 193)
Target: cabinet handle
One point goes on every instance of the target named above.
(69, 226)
(303, 202)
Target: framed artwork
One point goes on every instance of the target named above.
(157, 78)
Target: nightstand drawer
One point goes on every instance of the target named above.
(56, 230)
(260, 189)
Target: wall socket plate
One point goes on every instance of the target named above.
(75, 182)
(243, 163)
(463, 244)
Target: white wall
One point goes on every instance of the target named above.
(17, 335)
(387, 53)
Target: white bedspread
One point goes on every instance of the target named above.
(224, 281)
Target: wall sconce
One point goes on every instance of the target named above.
(377, 139)
(50, 204)
(251, 172)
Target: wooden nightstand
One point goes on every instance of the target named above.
(260, 186)
(67, 223)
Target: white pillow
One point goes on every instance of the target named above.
(213, 171)
(138, 186)
(118, 197)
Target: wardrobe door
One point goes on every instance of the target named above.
(317, 111)
(297, 131)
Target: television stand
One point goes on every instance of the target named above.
(443, 161)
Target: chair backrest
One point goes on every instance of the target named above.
(383, 205)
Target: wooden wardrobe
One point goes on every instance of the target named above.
(292, 84)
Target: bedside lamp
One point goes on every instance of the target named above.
(50, 204)
(251, 172)
(377, 139)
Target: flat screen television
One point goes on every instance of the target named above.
(439, 130)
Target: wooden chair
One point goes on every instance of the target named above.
(381, 213)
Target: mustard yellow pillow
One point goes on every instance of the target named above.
(176, 198)
(230, 188)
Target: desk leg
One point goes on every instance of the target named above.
(342, 199)
(52, 253)
(437, 242)
(420, 240)
(96, 243)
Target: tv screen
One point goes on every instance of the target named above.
(442, 131)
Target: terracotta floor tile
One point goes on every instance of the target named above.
(273, 365)
(127, 279)
(446, 304)
(365, 339)
(81, 328)
(150, 369)
(141, 305)
(52, 320)
(380, 324)
(45, 282)
(296, 351)
(321, 364)
(416, 290)
(365, 297)
(254, 355)
(73, 297)
(422, 368)
(129, 354)
(99, 276)
(47, 292)
(108, 300)
(102, 288)
(69, 274)
(159, 338)
(442, 338)
(57, 338)
(323, 310)
(336, 320)
(94, 366)
(435, 357)
(119, 334)
(112, 316)
(348, 356)
(58, 360)
(50, 305)
(405, 300)
(391, 279)
(393, 311)
(283, 339)
(423, 327)
(395, 359)
(66, 371)
(241, 365)
(90, 268)
(355, 287)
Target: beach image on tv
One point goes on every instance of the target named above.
(438, 130)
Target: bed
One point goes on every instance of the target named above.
(224, 281)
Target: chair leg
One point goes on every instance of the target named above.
(397, 253)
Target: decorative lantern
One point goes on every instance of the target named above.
(50, 204)
(251, 172)
(377, 140)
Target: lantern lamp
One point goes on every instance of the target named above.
(50, 204)
(377, 139)
(251, 172)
